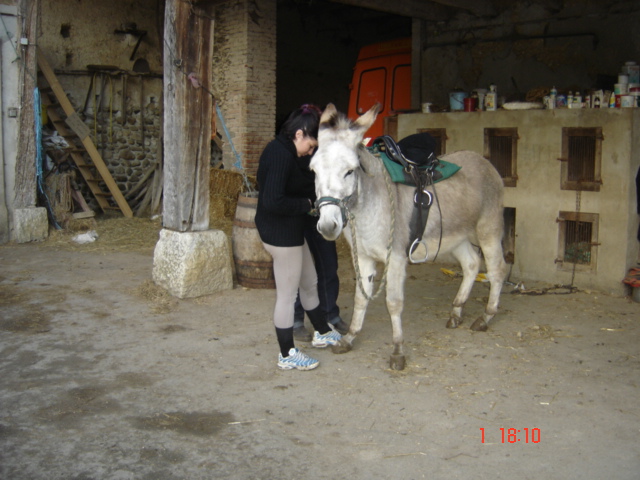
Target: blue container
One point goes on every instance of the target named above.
(456, 100)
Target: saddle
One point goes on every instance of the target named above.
(416, 154)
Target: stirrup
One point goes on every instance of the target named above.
(418, 252)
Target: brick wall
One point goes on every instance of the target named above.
(244, 69)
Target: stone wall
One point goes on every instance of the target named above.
(130, 139)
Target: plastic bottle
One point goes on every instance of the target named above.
(491, 99)
(570, 99)
(553, 95)
(577, 100)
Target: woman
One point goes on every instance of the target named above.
(283, 207)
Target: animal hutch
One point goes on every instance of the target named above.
(569, 176)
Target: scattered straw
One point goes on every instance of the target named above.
(114, 235)
(537, 332)
(161, 300)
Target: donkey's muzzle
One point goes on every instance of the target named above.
(330, 223)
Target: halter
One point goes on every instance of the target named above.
(342, 203)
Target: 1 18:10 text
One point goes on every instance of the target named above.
(514, 435)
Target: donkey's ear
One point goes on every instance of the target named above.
(365, 121)
(329, 115)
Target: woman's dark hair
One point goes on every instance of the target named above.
(305, 118)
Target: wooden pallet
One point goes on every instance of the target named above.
(95, 173)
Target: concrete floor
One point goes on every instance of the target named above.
(104, 377)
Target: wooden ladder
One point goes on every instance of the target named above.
(95, 173)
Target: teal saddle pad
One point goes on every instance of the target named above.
(397, 173)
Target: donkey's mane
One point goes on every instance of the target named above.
(371, 164)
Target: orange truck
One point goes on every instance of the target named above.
(382, 74)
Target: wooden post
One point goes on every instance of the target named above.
(188, 49)
(25, 182)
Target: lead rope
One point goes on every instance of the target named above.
(352, 218)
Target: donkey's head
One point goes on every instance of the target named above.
(336, 166)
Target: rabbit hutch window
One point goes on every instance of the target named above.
(581, 157)
(501, 148)
(577, 240)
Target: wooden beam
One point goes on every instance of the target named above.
(430, 10)
(188, 49)
(25, 180)
(481, 8)
(406, 8)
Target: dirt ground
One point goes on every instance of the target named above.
(105, 376)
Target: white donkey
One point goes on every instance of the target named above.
(355, 194)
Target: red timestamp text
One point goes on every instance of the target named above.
(516, 435)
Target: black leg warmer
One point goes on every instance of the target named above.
(318, 320)
(285, 340)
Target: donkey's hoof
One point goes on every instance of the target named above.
(454, 322)
(342, 347)
(397, 362)
(480, 325)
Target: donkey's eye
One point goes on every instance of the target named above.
(348, 173)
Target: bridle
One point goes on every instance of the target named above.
(342, 203)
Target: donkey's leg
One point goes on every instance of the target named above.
(366, 267)
(469, 261)
(396, 275)
(496, 273)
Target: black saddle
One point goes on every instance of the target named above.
(417, 149)
(415, 153)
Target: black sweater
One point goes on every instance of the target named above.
(285, 194)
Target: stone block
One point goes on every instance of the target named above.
(193, 264)
(30, 224)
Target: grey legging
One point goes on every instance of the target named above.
(293, 270)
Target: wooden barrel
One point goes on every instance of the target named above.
(254, 266)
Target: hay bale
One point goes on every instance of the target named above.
(224, 188)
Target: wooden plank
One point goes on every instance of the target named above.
(77, 196)
(106, 176)
(78, 126)
(80, 215)
(59, 92)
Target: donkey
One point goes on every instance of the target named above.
(355, 195)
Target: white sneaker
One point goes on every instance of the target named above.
(330, 338)
(298, 360)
